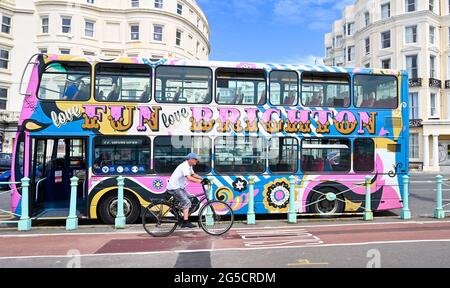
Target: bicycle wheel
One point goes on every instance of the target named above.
(216, 218)
(159, 220)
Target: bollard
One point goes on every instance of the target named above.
(209, 215)
(292, 216)
(368, 214)
(439, 213)
(251, 218)
(72, 220)
(25, 221)
(406, 213)
(120, 217)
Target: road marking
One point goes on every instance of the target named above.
(278, 238)
(306, 262)
(224, 249)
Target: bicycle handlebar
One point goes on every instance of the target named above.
(205, 182)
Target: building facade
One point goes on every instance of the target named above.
(413, 35)
(135, 28)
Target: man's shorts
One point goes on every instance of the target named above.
(182, 196)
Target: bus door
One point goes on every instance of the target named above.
(55, 162)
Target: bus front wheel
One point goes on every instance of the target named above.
(326, 202)
(108, 208)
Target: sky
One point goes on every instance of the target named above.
(270, 31)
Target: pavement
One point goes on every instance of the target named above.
(272, 242)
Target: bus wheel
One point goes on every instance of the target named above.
(108, 208)
(327, 202)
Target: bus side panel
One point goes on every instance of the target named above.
(21, 159)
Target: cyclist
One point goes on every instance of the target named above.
(178, 182)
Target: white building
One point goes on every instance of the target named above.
(404, 34)
(143, 28)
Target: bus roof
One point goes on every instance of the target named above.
(223, 64)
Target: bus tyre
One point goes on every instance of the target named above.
(108, 208)
(327, 202)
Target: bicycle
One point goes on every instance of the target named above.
(162, 217)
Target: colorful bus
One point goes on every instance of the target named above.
(98, 118)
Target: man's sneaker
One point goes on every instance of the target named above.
(188, 224)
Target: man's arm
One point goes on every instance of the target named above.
(197, 176)
(191, 178)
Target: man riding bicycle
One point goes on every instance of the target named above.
(178, 182)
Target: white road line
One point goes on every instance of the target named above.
(225, 249)
(234, 229)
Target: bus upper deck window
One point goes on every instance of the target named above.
(283, 88)
(180, 84)
(240, 86)
(325, 90)
(67, 81)
(123, 82)
(376, 91)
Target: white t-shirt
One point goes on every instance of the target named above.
(178, 178)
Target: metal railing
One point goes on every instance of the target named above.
(439, 212)
(292, 215)
(72, 219)
(24, 222)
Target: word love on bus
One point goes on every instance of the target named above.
(232, 119)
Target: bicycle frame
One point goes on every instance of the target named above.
(171, 202)
(195, 207)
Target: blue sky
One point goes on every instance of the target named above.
(276, 31)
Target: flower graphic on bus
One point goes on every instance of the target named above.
(276, 196)
(158, 184)
(240, 185)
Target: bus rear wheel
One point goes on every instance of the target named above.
(108, 208)
(326, 203)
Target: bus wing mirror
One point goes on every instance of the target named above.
(31, 62)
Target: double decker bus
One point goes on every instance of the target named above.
(99, 118)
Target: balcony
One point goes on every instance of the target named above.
(9, 116)
(415, 82)
(415, 123)
(435, 83)
(447, 84)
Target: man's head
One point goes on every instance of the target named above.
(192, 159)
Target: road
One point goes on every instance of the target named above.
(389, 244)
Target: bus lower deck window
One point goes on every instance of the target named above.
(325, 155)
(240, 154)
(121, 155)
(363, 155)
(170, 151)
(283, 154)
